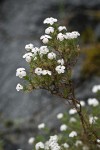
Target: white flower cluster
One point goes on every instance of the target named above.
(95, 88)
(63, 127)
(60, 69)
(45, 38)
(50, 21)
(53, 143)
(60, 116)
(72, 111)
(93, 102)
(39, 71)
(20, 72)
(39, 145)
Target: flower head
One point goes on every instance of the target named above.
(50, 21)
(72, 119)
(35, 50)
(51, 55)
(63, 127)
(60, 115)
(65, 145)
(93, 102)
(46, 72)
(43, 50)
(28, 56)
(38, 71)
(60, 28)
(60, 37)
(78, 143)
(95, 88)
(72, 111)
(49, 30)
(45, 38)
(19, 87)
(60, 61)
(21, 72)
(39, 145)
(31, 140)
(73, 134)
(29, 47)
(41, 126)
(60, 69)
(92, 119)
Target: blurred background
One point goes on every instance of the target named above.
(21, 23)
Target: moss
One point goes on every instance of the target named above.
(91, 65)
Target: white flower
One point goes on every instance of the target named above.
(98, 140)
(85, 147)
(72, 111)
(45, 38)
(60, 61)
(49, 30)
(65, 145)
(60, 69)
(29, 47)
(60, 115)
(50, 21)
(45, 72)
(93, 102)
(21, 72)
(73, 134)
(39, 145)
(31, 140)
(43, 50)
(46, 145)
(96, 88)
(71, 35)
(54, 138)
(92, 119)
(82, 104)
(41, 126)
(38, 71)
(72, 119)
(19, 87)
(51, 55)
(60, 37)
(28, 56)
(63, 127)
(60, 28)
(78, 143)
(35, 50)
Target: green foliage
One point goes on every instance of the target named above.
(91, 65)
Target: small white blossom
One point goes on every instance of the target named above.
(49, 30)
(60, 69)
(45, 38)
(60, 61)
(60, 115)
(41, 126)
(19, 87)
(82, 104)
(46, 145)
(71, 35)
(38, 71)
(21, 72)
(60, 37)
(39, 145)
(78, 143)
(45, 72)
(98, 140)
(93, 102)
(92, 119)
(35, 50)
(31, 140)
(63, 127)
(72, 119)
(72, 111)
(51, 55)
(28, 57)
(43, 50)
(29, 47)
(65, 145)
(73, 134)
(60, 28)
(50, 21)
(54, 138)
(96, 88)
